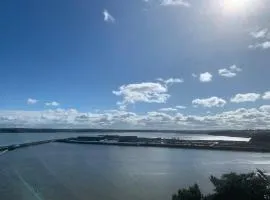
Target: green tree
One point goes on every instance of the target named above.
(250, 186)
(192, 193)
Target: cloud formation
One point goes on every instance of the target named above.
(107, 16)
(209, 102)
(170, 80)
(53, 103)
(266, 96)
(229, 72)
(182, 3)
(148, 92)
(168, 109)
(259, 34)
(181, 107)
(263, 45)
(205, 77)
(248, 97)
(31, 101)
(241, 118)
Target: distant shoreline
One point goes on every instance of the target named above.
(231, 133)
(117, 140)
(202, 147)
(256, 144)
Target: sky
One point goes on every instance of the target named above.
(148, 64)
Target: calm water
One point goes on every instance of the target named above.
(15, 138)
(71, 171)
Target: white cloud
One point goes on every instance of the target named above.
(209, 102)
(260, 33)
(31, 101)
(229, 72)
(107, 16)
(241, 118)
(182, 3)
(148, 92)
(235, 68)
(226, 73)
(143, 92)
(53, 103)
(266, 96)
(168, 109)
(263, 45)
(206, 77)
(181, 107)
(265, 108)
(248, 97)
(171, 80)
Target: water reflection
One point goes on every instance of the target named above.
(70, 171)
(16, 138)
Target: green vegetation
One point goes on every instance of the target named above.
(251, 186)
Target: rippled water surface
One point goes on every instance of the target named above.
(71, 171)
(15, 138)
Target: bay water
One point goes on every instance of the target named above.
(75, 171)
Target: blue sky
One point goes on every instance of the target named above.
(179, 64)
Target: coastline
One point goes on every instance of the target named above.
(254, 145)
(181, 144)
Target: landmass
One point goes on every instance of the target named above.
(256, 144)
(259, 142)
(231, 133)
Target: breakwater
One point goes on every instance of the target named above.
(27, 144)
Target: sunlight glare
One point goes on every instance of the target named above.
(235, 6)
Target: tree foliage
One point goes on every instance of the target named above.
(250, 186)
(192, 193)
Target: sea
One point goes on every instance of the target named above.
(17, 138)
(75, 171)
